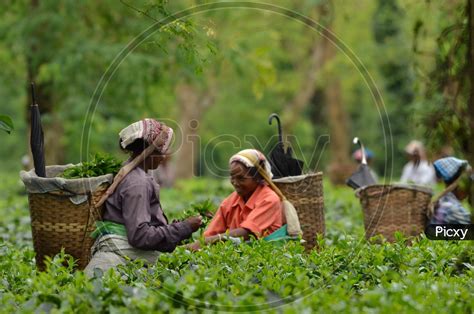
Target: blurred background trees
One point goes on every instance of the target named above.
(217, 75)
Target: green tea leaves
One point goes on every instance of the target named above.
(100, 165)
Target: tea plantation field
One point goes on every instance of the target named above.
(347, 275)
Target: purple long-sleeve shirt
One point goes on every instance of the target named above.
(135, 204)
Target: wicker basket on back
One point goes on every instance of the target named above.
(391, 208)
(305, 192)
(62, 213)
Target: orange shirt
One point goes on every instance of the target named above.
(262, 214)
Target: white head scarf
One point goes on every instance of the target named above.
(252, 157)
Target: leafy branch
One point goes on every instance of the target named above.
(6, 123)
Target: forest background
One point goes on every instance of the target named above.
(387, 71)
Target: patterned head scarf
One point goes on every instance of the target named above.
(148, 130)
(357, 155)
(450, 168)
(253, 158)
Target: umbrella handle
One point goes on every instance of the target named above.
(356, 140)
(270, 118)
(33, 97)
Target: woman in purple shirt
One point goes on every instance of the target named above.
(134, 225)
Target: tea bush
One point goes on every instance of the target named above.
(348, 274)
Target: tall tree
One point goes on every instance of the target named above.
(193, 104)
(340, 167)
(321, 54)
(448, 112)
(395, 68)
(67, 46)
(470, 74)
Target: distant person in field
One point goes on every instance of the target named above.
(369, 156)
(418, 170)
(457, 175)
(254, 209)
(134, 225)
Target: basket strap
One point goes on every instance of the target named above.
(91, 208)
(435, 199)
(269, 181)
(125, 170)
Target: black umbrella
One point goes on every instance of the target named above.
(282, 162)
(36, 137)
(362, 176)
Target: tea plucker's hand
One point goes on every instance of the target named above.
(234, 233)
(194, 222)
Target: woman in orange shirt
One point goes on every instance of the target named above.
(254, 209)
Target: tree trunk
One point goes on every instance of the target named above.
(318, 58)
(322, 52)
(337, 123)
(470, 58)
(188, 99)
(192, 104)
(295, 107)
(340, 167)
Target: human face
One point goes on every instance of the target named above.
(243, 183)
(460, 193)
(153, 160)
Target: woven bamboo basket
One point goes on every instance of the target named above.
(391, 208)
(58, 223)
(305, 192)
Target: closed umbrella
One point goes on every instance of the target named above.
(362, 176)
(281, 160)
(36, 137)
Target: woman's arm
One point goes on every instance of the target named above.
(140, 232)
(218, 223)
